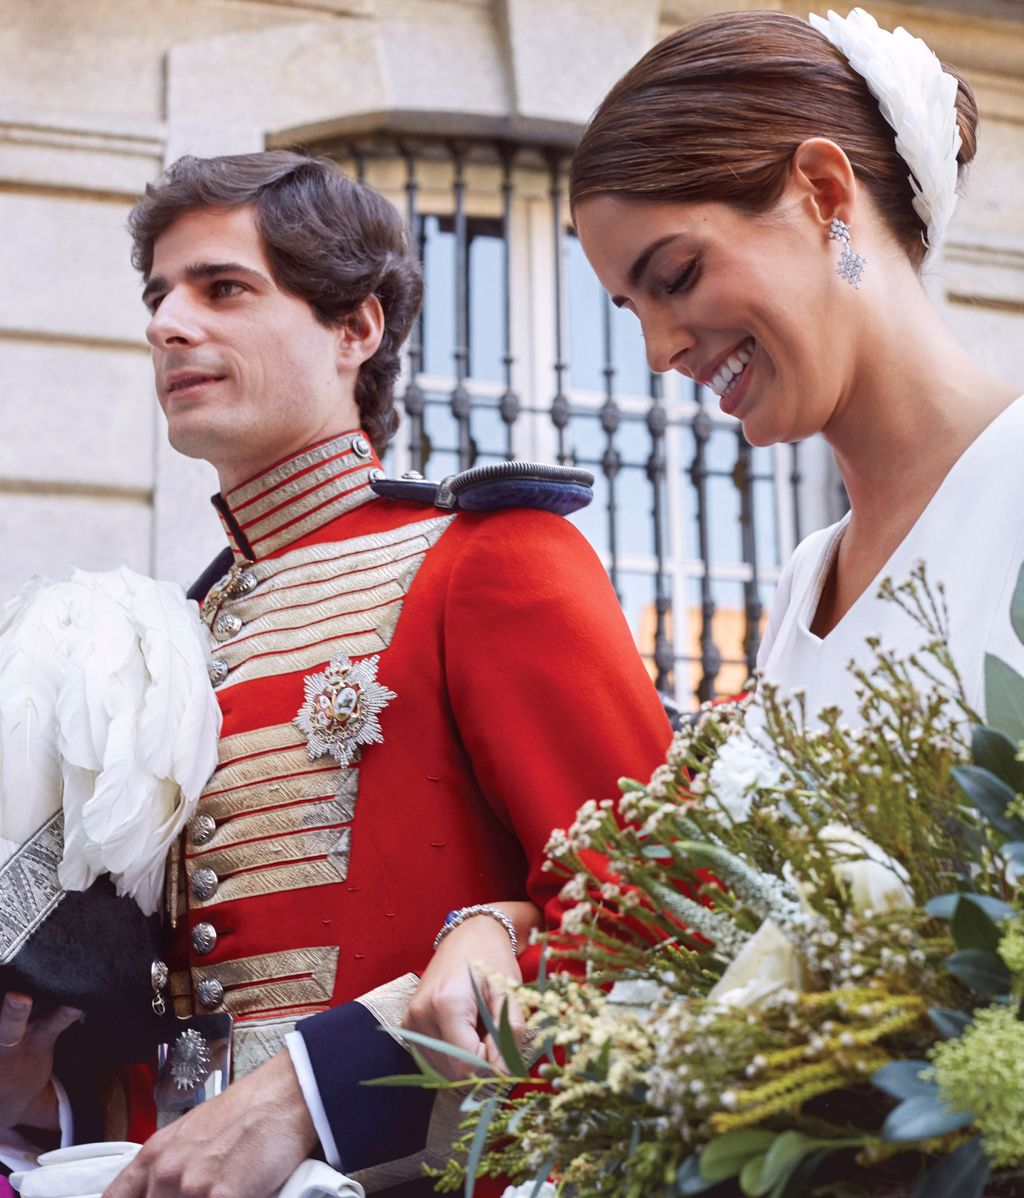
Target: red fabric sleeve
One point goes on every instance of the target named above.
(551, 698)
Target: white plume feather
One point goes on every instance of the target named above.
(106, 709)
(917, 98)
(30, 679)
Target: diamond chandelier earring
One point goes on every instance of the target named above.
(851, 264)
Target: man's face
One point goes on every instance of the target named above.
(245, 373)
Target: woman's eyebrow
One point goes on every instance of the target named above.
(642, 261)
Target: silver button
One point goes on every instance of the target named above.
(204, 884)
(210, 992)
(158, 975)
(218, 671)
(361, 447)
(201, 828)
(412, 476)
(225, 625)
(376, 474)
(247, 582)
(204, 937)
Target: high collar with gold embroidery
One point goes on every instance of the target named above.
(298, 496)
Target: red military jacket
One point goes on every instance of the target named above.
(510, 691)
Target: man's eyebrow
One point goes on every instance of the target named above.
(203, 270)
(641, 263)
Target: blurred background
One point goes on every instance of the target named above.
(464, 113)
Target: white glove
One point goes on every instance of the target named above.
(86, 1170)
(82, 1171)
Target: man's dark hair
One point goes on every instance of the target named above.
(330, 241)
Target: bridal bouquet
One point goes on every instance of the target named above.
(795, 963)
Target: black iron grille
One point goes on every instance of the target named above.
(519, 354)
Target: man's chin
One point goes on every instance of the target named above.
(195, 439)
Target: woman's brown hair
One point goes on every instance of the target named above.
(331, 241)
(715, 110)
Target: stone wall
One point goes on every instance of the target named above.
(95, 98)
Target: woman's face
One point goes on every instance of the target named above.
(749, 306)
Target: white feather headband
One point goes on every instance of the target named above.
(918, 99)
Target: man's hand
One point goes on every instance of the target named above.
(26, 1062)
(245, 1143)
(444, 1005)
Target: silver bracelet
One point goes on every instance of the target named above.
(459, 916)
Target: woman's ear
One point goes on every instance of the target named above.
(360, 334)
(821, 175)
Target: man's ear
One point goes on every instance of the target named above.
(360, 334)
(820, 175)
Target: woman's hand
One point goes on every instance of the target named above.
(26, 1062)
(444, 1005)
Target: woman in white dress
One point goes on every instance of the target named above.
(762, 193)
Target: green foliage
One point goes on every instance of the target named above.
(963, 1173)
(902, 1079)
(1004, 698)
(923, 1117)
(770, 982)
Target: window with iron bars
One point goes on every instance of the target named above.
(519, 354)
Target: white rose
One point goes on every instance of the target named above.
(876, 882)
(741, 769)
(766, 964)
(638, 996)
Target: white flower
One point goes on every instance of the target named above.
(742, 768)
(876, 882)
(638, 996)
(766, 965)
(528, 1189)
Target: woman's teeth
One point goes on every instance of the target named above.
(728, 374)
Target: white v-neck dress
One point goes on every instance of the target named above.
(970, 537)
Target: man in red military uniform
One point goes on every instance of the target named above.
(412, 698)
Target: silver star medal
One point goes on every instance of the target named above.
(194, 1065)
(341, 708)
(190, 1059)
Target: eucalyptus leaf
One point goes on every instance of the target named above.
(794, 1184)
(479, 1141)
(1017, 606)
(634, 1140)
(1004, 698)
(943, 906)
(690, 1180)
(415, 1080)
(998, 754)
(983, 971)
(509, 1046)
(971, 927)
(432, 1077)
(949, 1023)
(413, 1038)
(541, 984)
(517, 1117)
(921, 1118)
(788, 1150)
(991, 796)
(963, 1173)
(659, 851)
(752, 1177)
(726, 1155)
(539, 1180)
(902, 1079)
(484, 1011)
